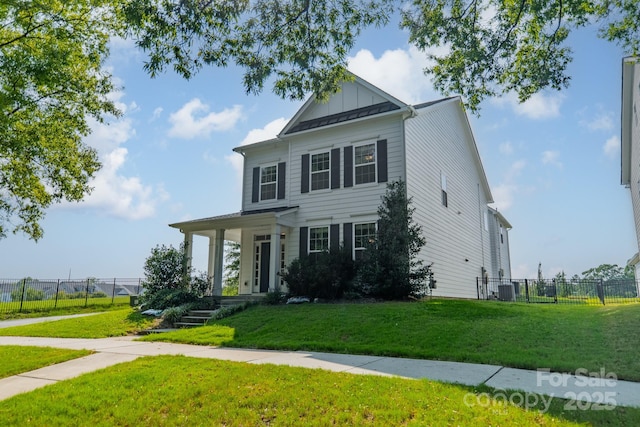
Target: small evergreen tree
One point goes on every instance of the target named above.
(390, 268)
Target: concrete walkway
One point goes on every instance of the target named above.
(110, 351)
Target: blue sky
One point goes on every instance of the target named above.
(553, 163)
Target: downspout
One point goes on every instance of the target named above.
(481, 229)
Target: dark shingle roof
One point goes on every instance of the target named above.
(382, 107)
(428, 104)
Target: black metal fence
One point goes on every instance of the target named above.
(583, 291)
(18, 295)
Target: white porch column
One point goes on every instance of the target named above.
(188, 249)
(218, 263)
(211, 262)
(274, 259)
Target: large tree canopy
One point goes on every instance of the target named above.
(51, 82)
(491, 47)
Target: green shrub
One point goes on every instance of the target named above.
(98, 294)
(30, 294)
(274, 298)
(324, 275)
(232, 309)
(174, 314)
(166, 298)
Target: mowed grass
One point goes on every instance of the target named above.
(120, 304)
(15, 309)
(176, 390)
(559, 337)
(110, 324)
(18, 359)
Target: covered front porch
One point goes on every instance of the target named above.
(262, 236)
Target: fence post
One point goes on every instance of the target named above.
(113, 294)
(526, 289)
(24, 287)
(57, 290)
(86, 295)
(600, 290)
(477, 287)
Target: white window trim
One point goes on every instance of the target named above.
(374, 163)
(315, 153)
(269, 183)
(315, 251)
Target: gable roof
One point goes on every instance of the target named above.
(380, 102)
(629, 65)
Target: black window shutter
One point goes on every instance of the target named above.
(255, 189)
(304, 237)
(335, 168)
(382, 160)
(347, 233)
(348, 166)
(334, 236)
(304, 179)
(282, 174)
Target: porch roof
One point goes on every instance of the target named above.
(238, 220)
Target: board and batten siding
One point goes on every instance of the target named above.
(355, 204)
(438, 141)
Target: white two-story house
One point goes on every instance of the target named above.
(630, 142)
(319, 183)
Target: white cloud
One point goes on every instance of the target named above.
(156, 113)
(506, 148)
(603, 121)
(270, 131)
(503, 194)
(551, 157)
(611, 147)
(523, 271)
(114, 193)
(192, 120)
(398, 72)
(539, 106)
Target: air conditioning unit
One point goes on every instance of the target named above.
(506, 292)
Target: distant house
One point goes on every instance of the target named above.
(319, 183)
(630, 138)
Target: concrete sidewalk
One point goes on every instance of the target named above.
(110, 351)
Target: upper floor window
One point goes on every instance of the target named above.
(364, 235)
(318, 239)
(268, 182)
(443, 188)
(365, 163)
(320, 171)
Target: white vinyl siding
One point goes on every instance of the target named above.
(438, 139)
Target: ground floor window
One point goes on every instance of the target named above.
(318, 239)
(364, 235)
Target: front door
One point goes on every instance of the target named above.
(263, 255)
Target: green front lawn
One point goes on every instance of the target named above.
(110, 324)
(175, 390)
(531, 336)
(19, 359)
(10, 310)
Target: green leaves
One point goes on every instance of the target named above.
(51, 81)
